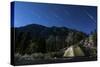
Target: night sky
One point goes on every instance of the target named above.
(82, 18)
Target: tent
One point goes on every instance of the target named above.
(73, 51)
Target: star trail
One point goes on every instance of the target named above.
(82, 18)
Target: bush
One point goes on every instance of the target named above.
(38, 55)
(55, 54)
(47, 56)
(17, 55)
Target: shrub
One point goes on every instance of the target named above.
(38, 55)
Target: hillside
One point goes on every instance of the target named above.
(40, 42)
(37, 38)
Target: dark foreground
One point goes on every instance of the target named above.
(58, 60)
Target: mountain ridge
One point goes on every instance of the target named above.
(37, 38)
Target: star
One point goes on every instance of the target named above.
(90, 16)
